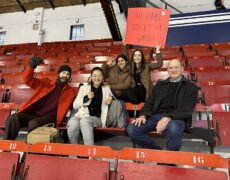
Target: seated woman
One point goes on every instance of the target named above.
(92, 106)
(119, 76)
(140, 70)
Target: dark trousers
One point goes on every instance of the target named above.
(135, 95)
(19, 120)
(174, 133)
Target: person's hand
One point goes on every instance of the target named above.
(108, 100)
(161, 125)
(109, 62)
(139, 120)
(158, 47)
(123, 42)
(90, 95)
(35, 61)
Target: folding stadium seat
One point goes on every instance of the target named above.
(113, 53)
(77, 168)
(8, 165)
(64, 54)
(98, 49)
(10, 48)
(55, 60)
(171, 55)
(85, 44)
(13, 78)
(81, 59)
(84, 53)
(222, 48)
(115, 48)
(25, 56)
(224, 126)
(3, 90)
(215, 94)
(127, 170)
(170, 49)
(104, 44)
(212, 73)
(19, 52)
(49, 168)
(10, 62)
(2, 51)
(206, 61)
(198, 50)
(6, 57)
(104, 58)
(20, 94)
(80, 77)
(12, 68)
(91, 65)
(5, 110)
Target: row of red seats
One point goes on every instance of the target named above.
(106, 48)
(48, 167)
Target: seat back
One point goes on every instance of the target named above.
(51, 167)
(8, 165)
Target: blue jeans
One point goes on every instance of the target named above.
(174, 131)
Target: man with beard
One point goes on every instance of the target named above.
(49, 103)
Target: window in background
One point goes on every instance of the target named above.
(2, 37)
(77, 32)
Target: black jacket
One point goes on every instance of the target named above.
(184, 100)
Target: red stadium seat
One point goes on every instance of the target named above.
(84, 53)
(50, 167)
(6, 57)
(206, 61)
(12, 68)
(80, 77)
(215, 94)
(91, 65)
(142, 171)
(220, 73)
(5, 111)
(13, 78)
(77, 168)
(98, 49)
(222, 48)
(105, 44)
(198, 50)
(8, 165)
(81, 59)
(55, 60)
(224, 126)
(104, 58)
(20, 94)
(9, 62)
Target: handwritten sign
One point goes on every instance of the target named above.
(147, 26)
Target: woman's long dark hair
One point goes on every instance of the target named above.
(142, 59)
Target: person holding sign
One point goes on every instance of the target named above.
(140, 70)
(168, 109)
(119, 76)
(92, 106)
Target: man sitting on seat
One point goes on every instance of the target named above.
(168, 109)
(49, 103)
